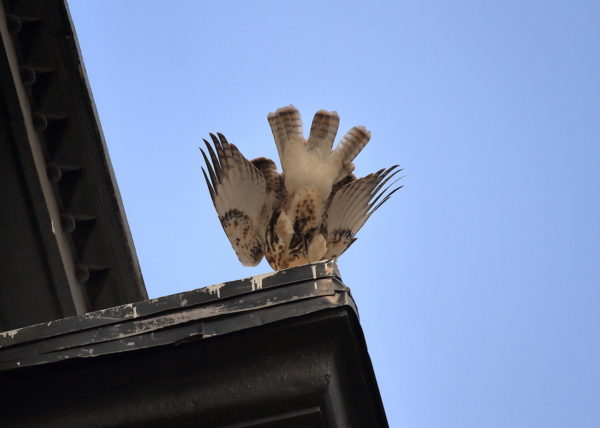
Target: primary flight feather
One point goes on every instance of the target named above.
(310, 212)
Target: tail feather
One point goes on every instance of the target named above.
(323, 130)
(292, 122)
(278, 132)
(352, 143)
(286, 125)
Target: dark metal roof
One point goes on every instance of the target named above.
(65, 246)
(282, 349)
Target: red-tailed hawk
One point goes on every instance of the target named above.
(310, 212)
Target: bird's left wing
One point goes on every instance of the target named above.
(352, 205)
(238, 191)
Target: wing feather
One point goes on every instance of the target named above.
(275, 190)
(238, 192)
(352, 205)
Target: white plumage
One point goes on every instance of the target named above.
(313, 210)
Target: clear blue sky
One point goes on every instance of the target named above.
(478, 284)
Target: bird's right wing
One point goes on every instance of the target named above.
(238, 191)
(352, 205)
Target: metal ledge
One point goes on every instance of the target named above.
(282, 349)
(205, 312)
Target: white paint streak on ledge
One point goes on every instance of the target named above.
(100, 314)
(256, 283)
(9, 333)
(214, 289)
(257, 280)
(87, 352)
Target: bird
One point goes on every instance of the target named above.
(309, 212)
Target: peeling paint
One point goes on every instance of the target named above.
(257, 281)
(184, 302)
(89, 352)
(214, 289)
(9, 333)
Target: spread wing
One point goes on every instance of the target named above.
(352, 205)
(238, 191)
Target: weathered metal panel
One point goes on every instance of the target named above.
(282, 349)
(205, 312)
(59, 185)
